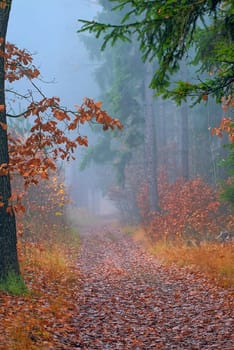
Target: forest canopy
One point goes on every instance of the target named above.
(169, 32)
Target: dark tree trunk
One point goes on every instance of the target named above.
(150, 142)
(8, 245)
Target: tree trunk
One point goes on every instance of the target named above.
(185, 141)
(161, 135)
(8, 245)
(185, 128)
(150, 142)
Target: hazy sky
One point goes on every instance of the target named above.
(48, 28)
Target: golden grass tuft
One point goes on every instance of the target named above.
(216, 260)
(27, 334)
(52, 277)
(49, 259)
(213, 259)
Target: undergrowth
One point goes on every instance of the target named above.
(212, 258)
(35, 320)
(13, 284)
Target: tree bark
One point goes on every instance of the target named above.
(8, 242)
(150, 142)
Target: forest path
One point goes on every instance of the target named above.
(129, 300)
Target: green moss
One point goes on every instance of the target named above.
(13, 284)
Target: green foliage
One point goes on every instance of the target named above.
(120, 77)
(227, 193)
(100, 153)
(166, 32)
(13, 284)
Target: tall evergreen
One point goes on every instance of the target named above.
(157, 133)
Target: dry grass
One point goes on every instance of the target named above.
(33, 321)
(214, 259)
(49, 259)
(53, 256)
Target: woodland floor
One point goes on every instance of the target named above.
(128, 300)
(114, 296)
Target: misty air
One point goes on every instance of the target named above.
(116, 174)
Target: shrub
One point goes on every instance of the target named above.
(187, 209)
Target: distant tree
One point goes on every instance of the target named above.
(167, 31)
(171, 33)
(150, 142)
(227, 193)
(120, 76)
(227, 126)
(180, 138)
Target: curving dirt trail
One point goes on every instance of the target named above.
(129, 300)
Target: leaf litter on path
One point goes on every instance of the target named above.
(116, 296)
(129, 300)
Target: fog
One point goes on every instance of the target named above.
(48, 29)
(157, 134)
